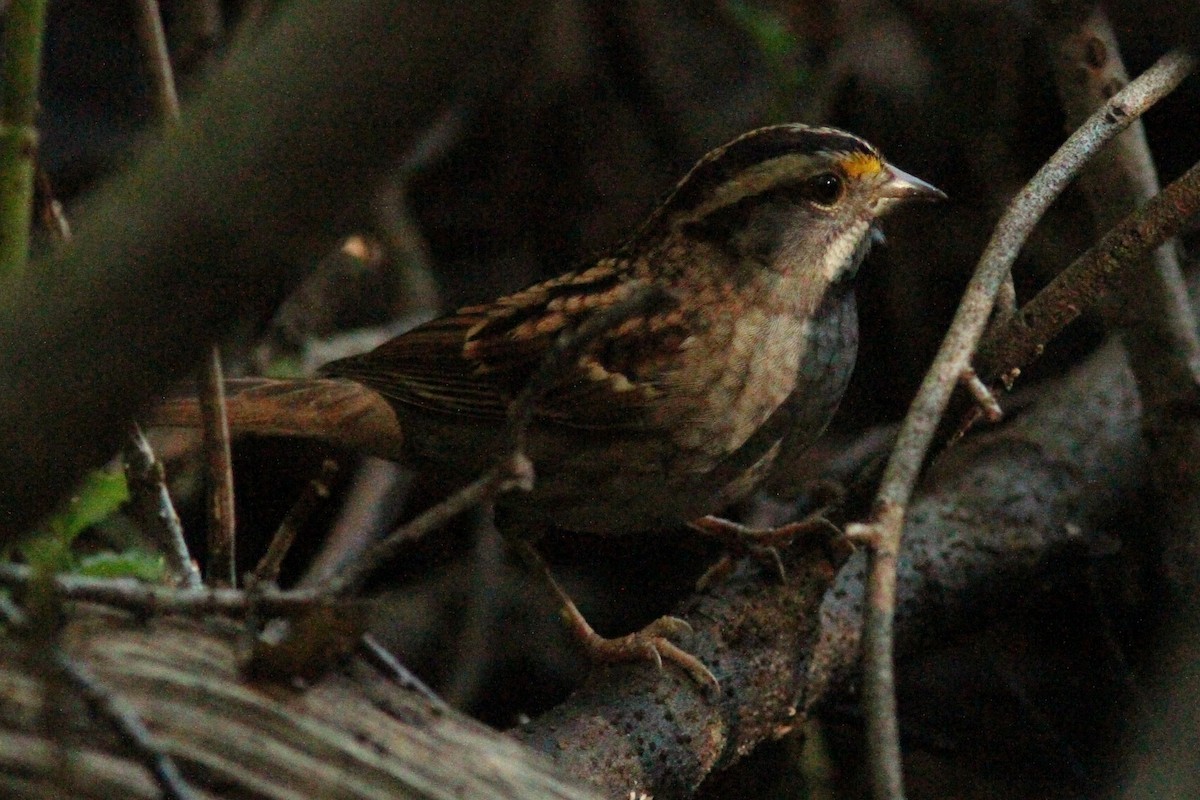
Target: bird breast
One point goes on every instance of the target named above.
(755, 372)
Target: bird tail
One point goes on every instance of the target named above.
(335, 410)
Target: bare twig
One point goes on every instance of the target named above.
(391, 666)
(129, 726)
(222, 566)
(985, 399)
(315, 491)
(883, 530)
(148, 491)
(144, 598)
(158, 60)
(218, 458)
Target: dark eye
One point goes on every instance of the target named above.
(825, 188)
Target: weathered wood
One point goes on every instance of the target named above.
(352, 734)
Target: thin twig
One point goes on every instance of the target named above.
(158, 60)
(125, 720)
(148, 492)
(24, 26)
(133, 595)
(222, 562)
(222, 556)
(391, 666)
(883, 530)
(985, 398)
(315, 492)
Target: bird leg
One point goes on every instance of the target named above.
(648, 644)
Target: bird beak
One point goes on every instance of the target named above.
(902, 187)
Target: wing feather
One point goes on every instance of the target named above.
(472, 363)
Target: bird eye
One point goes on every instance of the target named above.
(826, 188)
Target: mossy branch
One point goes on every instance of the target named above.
(22, 47)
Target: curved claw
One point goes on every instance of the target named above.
(693, 666)
(666, 626)
(648, 644)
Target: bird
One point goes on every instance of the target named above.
(671, 413)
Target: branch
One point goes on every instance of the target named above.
(883, 531)
(353, 733)
(24, 26)
(991, 513)
(1100, 273)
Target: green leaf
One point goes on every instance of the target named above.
(101, 495)
(129, 564)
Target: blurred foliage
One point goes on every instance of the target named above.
(780, 48)
(51, 548)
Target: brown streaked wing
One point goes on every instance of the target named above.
(475, 361)
(425, 367)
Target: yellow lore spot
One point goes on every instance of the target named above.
(858, 165)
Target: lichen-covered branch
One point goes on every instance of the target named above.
(989, 514)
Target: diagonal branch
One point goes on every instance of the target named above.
(1093, 277)
(883, 531)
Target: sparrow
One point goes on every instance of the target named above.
(669, 415)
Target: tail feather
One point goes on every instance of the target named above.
(336, 410)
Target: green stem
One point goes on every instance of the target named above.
(22, 48)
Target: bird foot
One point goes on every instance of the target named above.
(651, 643)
